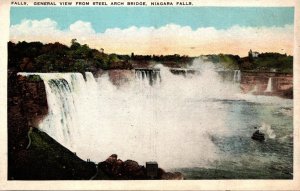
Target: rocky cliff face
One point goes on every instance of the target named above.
(117, 77)
(257, 83)
(120, 77)
(27, 104)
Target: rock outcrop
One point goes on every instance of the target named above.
(116, 169)
(257, 82)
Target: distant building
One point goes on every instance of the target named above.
(253, 54)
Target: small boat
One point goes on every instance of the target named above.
(258, 136)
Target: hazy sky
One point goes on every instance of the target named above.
(159, 30)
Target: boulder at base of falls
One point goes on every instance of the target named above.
(257, 135)
(116, 169)
(169, 175)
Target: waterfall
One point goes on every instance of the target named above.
(172, 121)
(69, 105)
(236, 75)
(95, 119)
(151, 75)
(239, 76)
(269, 86)
(169, 121)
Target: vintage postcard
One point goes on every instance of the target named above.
(150, 95)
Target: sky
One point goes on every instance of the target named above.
(159, 30)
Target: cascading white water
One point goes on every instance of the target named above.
(171, 121)
(67, 116)
(237, 76)
(269, 86)
(152, 76)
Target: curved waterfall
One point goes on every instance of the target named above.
(69, 107)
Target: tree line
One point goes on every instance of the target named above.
(57, 57)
